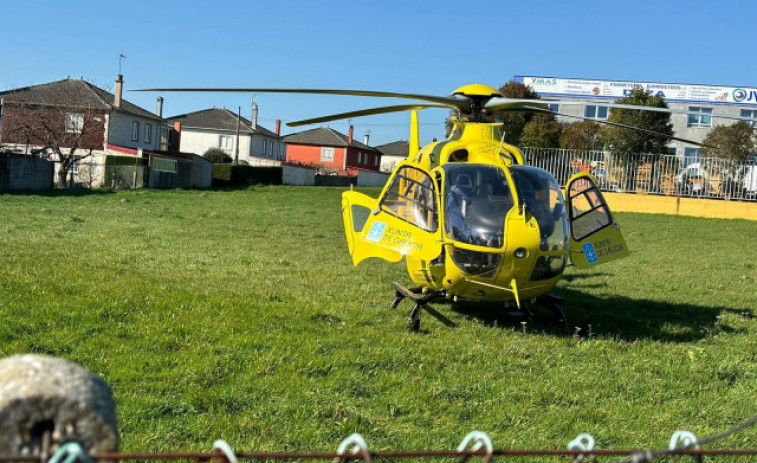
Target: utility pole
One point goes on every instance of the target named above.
(2, 106)
(236, 148)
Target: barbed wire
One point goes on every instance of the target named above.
(475, 444)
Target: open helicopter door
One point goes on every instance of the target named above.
(595, 237)
(403, 222)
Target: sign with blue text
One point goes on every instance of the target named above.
(613, 89)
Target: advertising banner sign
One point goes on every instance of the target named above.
(613, 89)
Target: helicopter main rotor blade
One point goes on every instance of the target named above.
(364, 112)
(616, 124)
(456, 101)
(499, 104)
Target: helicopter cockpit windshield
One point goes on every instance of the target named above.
(477, 199)
(540, 195)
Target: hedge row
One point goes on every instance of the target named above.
(124, 161)
(236, 175)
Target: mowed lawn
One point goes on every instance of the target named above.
(238, 315)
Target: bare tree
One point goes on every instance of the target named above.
(65, 134)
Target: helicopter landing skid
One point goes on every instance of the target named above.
(553, 302)
(549, 301)
(421, 301)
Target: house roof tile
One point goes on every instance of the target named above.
(324, 136)
(395, 148)
(74, 93)
(219, 119)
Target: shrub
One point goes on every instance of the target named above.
(238, 175)
(217, 155)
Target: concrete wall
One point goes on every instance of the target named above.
(300, 176)
(202, 173)
(18, 172)
(365, 178)
(694, 207)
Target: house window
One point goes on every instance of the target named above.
(327, 154)
(148, 133)
(164, 165)
(359, 157)
(703, 117)
(135, 131)
(752, 114)
(74, 123)
(270, 148)
(554, 107)
(226, 143)
(595, 112)
(691, 155)
(376, 161)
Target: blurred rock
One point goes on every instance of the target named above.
(47, 401)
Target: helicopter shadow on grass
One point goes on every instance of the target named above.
(620, 318)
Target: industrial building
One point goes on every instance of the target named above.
(704, 100)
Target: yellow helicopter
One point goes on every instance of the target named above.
(472, 221)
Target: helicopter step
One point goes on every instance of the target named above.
(421, 300)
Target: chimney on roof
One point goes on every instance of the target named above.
(176, 138)
(119, 90)
(254, 119)
(278, 126)
(366, 138)
(352, 133)
(159, 106)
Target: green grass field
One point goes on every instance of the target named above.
(238, 315)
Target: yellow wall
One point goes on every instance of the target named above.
(652, 204)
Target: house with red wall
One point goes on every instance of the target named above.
(73, 122)
(325, 147)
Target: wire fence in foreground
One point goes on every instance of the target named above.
(475, 444)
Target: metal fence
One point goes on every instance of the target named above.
(668, 175)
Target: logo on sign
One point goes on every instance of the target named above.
(590, 253)
(543, 81)
(376, 232)
(739, 95)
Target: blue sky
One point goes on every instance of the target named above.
(403, 46)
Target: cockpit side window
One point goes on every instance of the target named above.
(411, 197)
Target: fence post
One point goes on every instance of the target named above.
(46, 402)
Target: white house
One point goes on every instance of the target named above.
(392, 153)
(218, 128)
